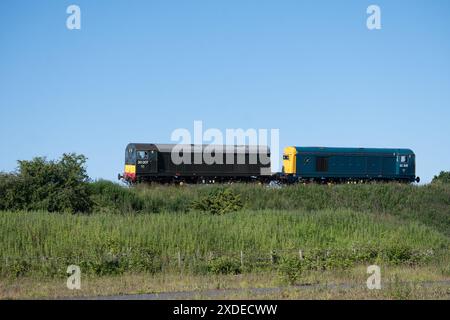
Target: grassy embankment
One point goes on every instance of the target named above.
(159, 233)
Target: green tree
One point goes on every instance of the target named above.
(443, 177)
(39, 184)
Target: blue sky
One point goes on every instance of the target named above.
(137, 70)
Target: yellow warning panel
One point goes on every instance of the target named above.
(130, 168)
(289, 160)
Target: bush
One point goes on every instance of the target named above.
(219, 201)
(7, 195)
(224, 265)
(19, 268)
(401, 254)
(109, 196)
(54, 186)
(443, 177)
(290, 269)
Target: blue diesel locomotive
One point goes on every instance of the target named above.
(348, 164)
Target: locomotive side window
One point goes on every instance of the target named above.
(152, 156)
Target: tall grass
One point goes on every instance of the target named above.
(39, 242)
(149, 228)
(428, 204)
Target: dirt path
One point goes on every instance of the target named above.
(223, 293)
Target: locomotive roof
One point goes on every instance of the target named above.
(353, 150)
(168, 147)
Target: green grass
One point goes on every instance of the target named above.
(157, 229)
(427, 204)
(398, 282)
(46, 243)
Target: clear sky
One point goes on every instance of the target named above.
(137, 70)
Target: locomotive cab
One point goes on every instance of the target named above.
(146, 161)
(130, 164)
(139, 161)
(406, 165)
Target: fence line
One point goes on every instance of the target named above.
(243, 257)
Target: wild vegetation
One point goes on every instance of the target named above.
(54, 186)
(45, 243)
(63, 186)
(52, 216)
(443, 177)
(428, 204)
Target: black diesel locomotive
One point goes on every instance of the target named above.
(210, 164)
(154, 163)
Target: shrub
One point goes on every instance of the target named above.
(144, 260)
(109, 196)
(19, 267)
(8, 196)
(443, 177)
(290, 269)
(224, 265)
(219, 201)
(39, 184)
(107, 265)
(397, 254)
